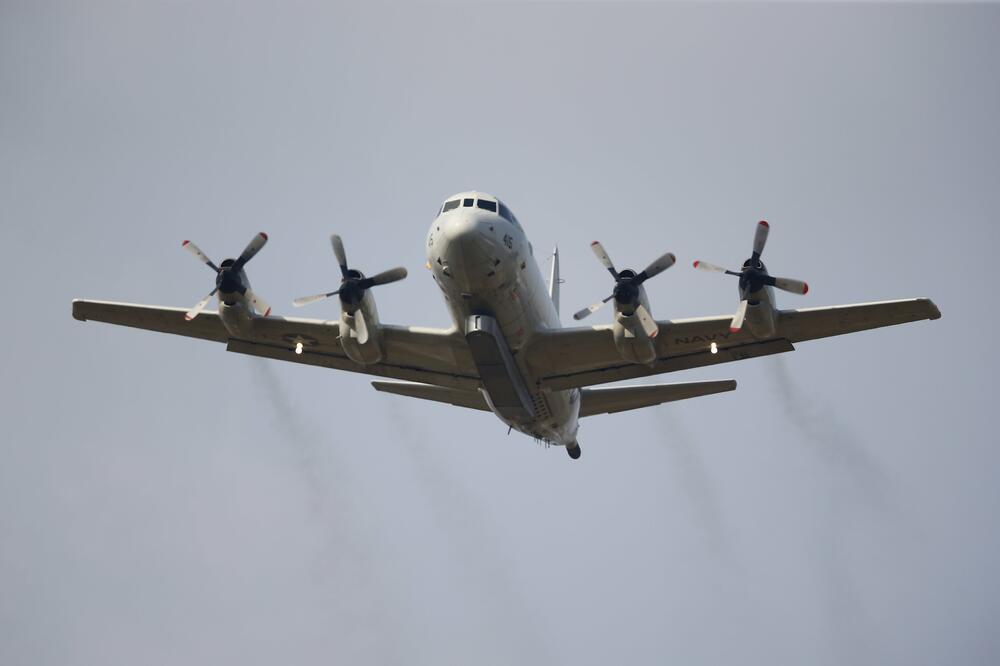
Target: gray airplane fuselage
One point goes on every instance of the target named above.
(493, 288)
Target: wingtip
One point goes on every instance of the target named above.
(734, 330)
(263, 235)
(78, 309)
(805, 288)
(935, 312)
(764, 223)
(696, 262)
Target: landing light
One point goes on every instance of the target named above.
(714, 348)
(298, 347)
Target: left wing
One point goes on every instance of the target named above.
(430, 356)
(578, 357)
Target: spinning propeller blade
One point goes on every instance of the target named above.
(603, 257)
(385, 277)
(712, 268)
(201, 256)
(648, 324)
(252, 248)
(259, 304)
(760, 238)
(353, 284)
(628, 286)
(737, 323)
(754, 276)
(228, 277)
(338, 252)
(306, 300)
(202, 304)
(789, 285)
(657, 267)
(591, 309)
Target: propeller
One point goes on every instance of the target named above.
(627, 283)
(754, 276)
(353, 283)
(228, 276)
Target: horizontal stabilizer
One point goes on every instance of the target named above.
(470, 399)
(621, 399)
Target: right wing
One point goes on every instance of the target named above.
(430, 356)
(578, 357)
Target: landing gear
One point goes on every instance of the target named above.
(573, 450)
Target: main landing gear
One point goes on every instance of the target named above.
(573, 450)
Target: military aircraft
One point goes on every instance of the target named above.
(506, 351)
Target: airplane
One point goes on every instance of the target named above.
(506, 351)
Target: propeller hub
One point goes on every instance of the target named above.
(351, 292)
(229, 281)
(752, 280)
(627, 288)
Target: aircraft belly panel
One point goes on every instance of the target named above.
(501, 379)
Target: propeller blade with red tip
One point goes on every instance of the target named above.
(712, 268)
(790, 285)
(252, 248)
(603, 257)
(661, 264)
(259, 304)
(201, 256)
(591, 309)
(736, 325)
(202, 304)
(306, 300)
(760, 238)
(646, 320)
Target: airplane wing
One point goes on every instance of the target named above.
(430, 356)
(584, 356)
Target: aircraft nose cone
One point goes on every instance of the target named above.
(468, 250)
(465, 226)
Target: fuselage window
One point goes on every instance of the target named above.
(487, 205)
(506, 214)
(451, 205)
(467, 203)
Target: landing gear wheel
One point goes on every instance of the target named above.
(573, 450)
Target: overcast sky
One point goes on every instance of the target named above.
(164, 502)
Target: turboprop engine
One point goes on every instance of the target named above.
(238, 304)
(634, 328)
(756, 307)
(359, 330)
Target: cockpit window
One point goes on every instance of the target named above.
(451, 205)
(506, 214)
(467, 203)
(487, 205)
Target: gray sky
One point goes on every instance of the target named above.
(164, 502)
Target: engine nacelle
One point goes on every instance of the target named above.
(235, 309)
(360, 336)
(630, 337)
(631, 340)
(238, 319)
(761, 320)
